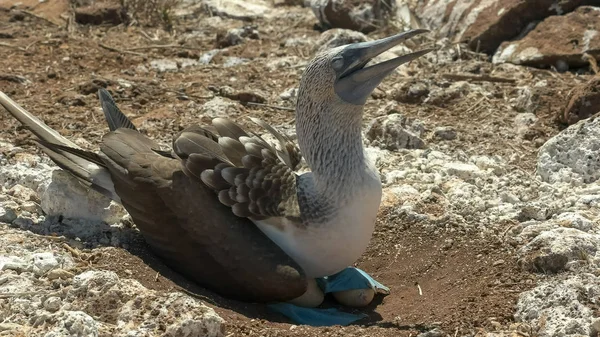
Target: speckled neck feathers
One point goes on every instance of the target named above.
(329, 135)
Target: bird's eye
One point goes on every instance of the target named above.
(337, 63)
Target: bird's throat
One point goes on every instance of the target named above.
(333, 149)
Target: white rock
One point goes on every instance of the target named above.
(289, 94)
(493, 164)
(13, 263)
(444, 133)
(393, 132)
(462, 170)
(23, 193)
(558, 307)
(67, 197)
(233, 61)
(571, 156)
(52, 303)
(43, 263)
(73, 323)
(237, 9)
(220, 107)
(524, 121)
(208, 56)
(162, 65)
(7, 215)
(574, 220)
(192, 317)
(34, 174)
(552, 250)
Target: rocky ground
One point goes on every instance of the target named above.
(487, 149)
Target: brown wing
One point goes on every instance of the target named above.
(192, 231)
(179, 216)
(249, 175)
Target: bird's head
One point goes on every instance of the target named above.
(340, 73)
(331, 97)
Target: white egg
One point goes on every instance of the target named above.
(355, 297)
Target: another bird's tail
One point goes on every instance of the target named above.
(86, 166)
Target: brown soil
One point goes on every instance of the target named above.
(466, 287)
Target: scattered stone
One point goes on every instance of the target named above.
(52, 303)
(220, 107)
(574, 220)
(236, 36)
(92, 87)
(338, 37)
(23, 193)
(435, 332)
(440, 96)
(13, 263)
(73, 323)
(363, 16)
(393, 132)
(550, 251)
(234, 61)
(43, 263)
(559, 307)
(535, 211)
(526, 100)
(243, 96)
(462, 170)
(583, 102)
(237, 9)
(556, 40)
(484, 25)
(59, 274)
(101, 12)
(184, 316)
(208, 56)
(411, 92)
(163, 65)
(444, 133)
(12, 327)
(290, 94)
(72, 99)
(7, 215)
(571, 156)
(524, 122)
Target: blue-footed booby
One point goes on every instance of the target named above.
(229, 210)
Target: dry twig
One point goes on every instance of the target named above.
(164, 46)
(478, 78)
(271, 106)
(4, 44)
(592, 61)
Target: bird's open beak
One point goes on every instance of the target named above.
(356, 82)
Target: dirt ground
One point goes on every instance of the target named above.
(466, 288)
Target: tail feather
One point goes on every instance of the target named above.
(114, 117)
(84, 165)
(36, 126)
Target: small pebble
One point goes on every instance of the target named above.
(445, 133)
(52, 304)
